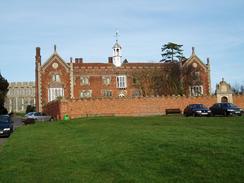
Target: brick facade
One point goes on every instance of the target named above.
(238, 100)
(75, 80)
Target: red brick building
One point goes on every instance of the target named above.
(80, 79)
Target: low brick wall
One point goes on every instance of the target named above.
(238, 100)
(127, 106)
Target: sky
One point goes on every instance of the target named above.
(87, 29)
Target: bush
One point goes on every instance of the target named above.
(3, 110)
(30, 108)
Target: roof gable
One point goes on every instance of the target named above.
(195, 58)
(55, 56)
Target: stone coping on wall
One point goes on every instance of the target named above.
(126, 98)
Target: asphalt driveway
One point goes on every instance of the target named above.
(17, 123)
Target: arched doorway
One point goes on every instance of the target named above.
(224, 99)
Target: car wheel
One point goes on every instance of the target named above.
(51, 119)
(225, 113)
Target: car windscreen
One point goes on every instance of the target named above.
(4, 119)
(228, 105)
(199, 106)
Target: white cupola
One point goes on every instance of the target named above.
(117, 58)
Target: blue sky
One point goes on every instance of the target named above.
(86, 29)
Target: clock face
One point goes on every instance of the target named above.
(55, 65)
(194, 65)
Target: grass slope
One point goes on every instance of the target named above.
(126, 149)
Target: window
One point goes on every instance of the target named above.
(107, 93)
(86, 94)
(196, 90)
(121, 81)
(196, 75)
(53, 93)
(56, 77)
(106, 80)
(84, 80)
(135, 80)
(136, 93)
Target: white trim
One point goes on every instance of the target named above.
(53, 93)
(86, 94)
(196, 90)
(121, 81)
(59, 60)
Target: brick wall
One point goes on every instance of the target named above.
(239, 100)
(122, 106)
(127, 106)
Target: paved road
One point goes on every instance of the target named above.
(17, 123)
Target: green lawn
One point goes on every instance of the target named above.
(126, 149)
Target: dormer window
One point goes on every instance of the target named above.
(56, 77)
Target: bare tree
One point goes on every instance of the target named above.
(159, 81)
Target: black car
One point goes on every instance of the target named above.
(6, 125)
(196, 110)
(226, 109)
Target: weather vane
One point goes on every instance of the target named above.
(117, 35)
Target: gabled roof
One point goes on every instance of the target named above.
(58, 58)
(117, 45)
(193, 58)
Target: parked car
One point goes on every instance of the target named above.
(31, 117)
(226, 109)
(196, 110)
(6, 125)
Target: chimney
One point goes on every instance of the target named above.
(71, 60)
(81, 60)
(76, 60)
(38, 54)
(208, 62)
(110, 60)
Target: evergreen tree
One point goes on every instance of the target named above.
(3, 92)
(171, 51)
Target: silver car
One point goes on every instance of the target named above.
(38, 116)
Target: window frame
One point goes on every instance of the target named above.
(56, 77)
(121, 81)
(107, 93)
(83, 94)
(54, 93)
(106, 80)
(85, 80)
(196, 90)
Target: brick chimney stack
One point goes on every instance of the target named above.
(38, 54)
(38, 79)
(110, 60)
